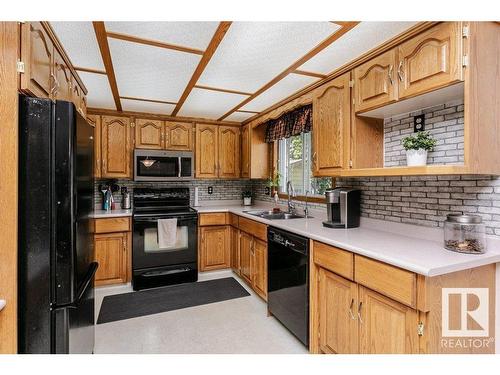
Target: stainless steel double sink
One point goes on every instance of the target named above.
(273, 215)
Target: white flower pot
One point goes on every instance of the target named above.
(416, 157)
(247, 201)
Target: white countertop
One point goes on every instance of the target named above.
(102, 214)
(406, 246)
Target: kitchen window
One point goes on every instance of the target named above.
(294, 164)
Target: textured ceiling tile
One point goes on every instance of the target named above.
(239, 116)
(80, 43)
(99, 93)
(150, 72)
(252, 53)
(187, 34)
(364, 37)
(209, 104)
(147, 107)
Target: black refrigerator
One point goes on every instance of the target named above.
(56, 256)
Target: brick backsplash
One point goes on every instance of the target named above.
(445, 122)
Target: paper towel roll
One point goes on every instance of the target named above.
(196, 198)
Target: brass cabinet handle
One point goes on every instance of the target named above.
(390, 74)
(350, 310)
(359, 312)
(400, 70)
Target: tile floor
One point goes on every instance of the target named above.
(238, 326)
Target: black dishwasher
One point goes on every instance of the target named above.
(288, 281)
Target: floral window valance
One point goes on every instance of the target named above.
(289, 124)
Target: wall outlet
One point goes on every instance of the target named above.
(210, 190)
(419, 123)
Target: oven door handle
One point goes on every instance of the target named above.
(155, 219)
(179, 165)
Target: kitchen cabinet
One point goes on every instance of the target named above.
(245, 151)
(235, 243)
(246, 245)
(255, 152)
(63, 78)
(229, 152)
(331, 119)
(178, 136)
(95, 121)
(149, 134)
(214, 251)
(430, 60)
(78, 97)
(115, 147)
(375, 82)
(259, 267)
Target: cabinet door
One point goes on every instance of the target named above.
(149, 134)
(37, 54)
(385, 326)
(116, 154)
(229, 152)
(375, 82)
(214, 250)
(95, 121)
(259, 267)
(235, 249)
(331, 119)
(111, 252)
(430, 60)
(62, 79)
(337, 301)
(245, 151)
(206, 151)
(246, 244)
(178, 136)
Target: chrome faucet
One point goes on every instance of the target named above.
(291, 193)
(306, 209)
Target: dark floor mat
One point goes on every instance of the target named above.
(154, 301)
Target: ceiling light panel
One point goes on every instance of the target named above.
(357, 41)
(209, 104)
(253, 53)
(239, 116)
(147, 107)
(150, 72)
(80, 43)
(99, 93)
(187, 34)
(286, 87)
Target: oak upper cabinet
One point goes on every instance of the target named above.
(78, 97)
(375, 82)
(115, 147)
(331, 127)
(259, 267)
(214, 249)
(149, 134)
(245, 151)
(337, 313)
(178, 136)
(37, 52)
(111, 253)
(229, 152)
(246, 245)
(95, 121)
(385, 326)
(430, 60)
(62, 78)
(207, 151)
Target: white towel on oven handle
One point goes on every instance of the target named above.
(167, 232)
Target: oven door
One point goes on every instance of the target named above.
(146, 252)
(157, 165)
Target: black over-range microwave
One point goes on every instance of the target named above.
(158, 165)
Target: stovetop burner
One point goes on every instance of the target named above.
(164, 201)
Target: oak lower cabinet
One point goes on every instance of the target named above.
(246, 244)
(214, 251)
(259, 267)
(234, 233)
(112, 250)
(116, 150)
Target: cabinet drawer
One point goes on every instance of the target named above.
(115, 224)
(333, 259)
(234, 220)
(254, 228)
(216, 218)
(391, 281)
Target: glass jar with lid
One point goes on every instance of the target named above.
(465, 234)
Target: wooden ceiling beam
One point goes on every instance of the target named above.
(147, 100)
(154, 43)
(102, 40)
(222, 90)
(310, 74)
(205, 59)
(321, 46)
(89, 70)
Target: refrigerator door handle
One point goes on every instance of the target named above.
(81, 291)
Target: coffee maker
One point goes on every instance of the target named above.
(342, 207)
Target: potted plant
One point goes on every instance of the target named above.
(274, 182)
(247, 198)
(417, 146)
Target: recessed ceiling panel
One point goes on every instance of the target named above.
(187, 34)
(252, 53)
(239, 116)
(362, 38)
(147, 107)
(150, 72)
(286, 87)
(80, 43)
(99, 93)
(209, 104)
